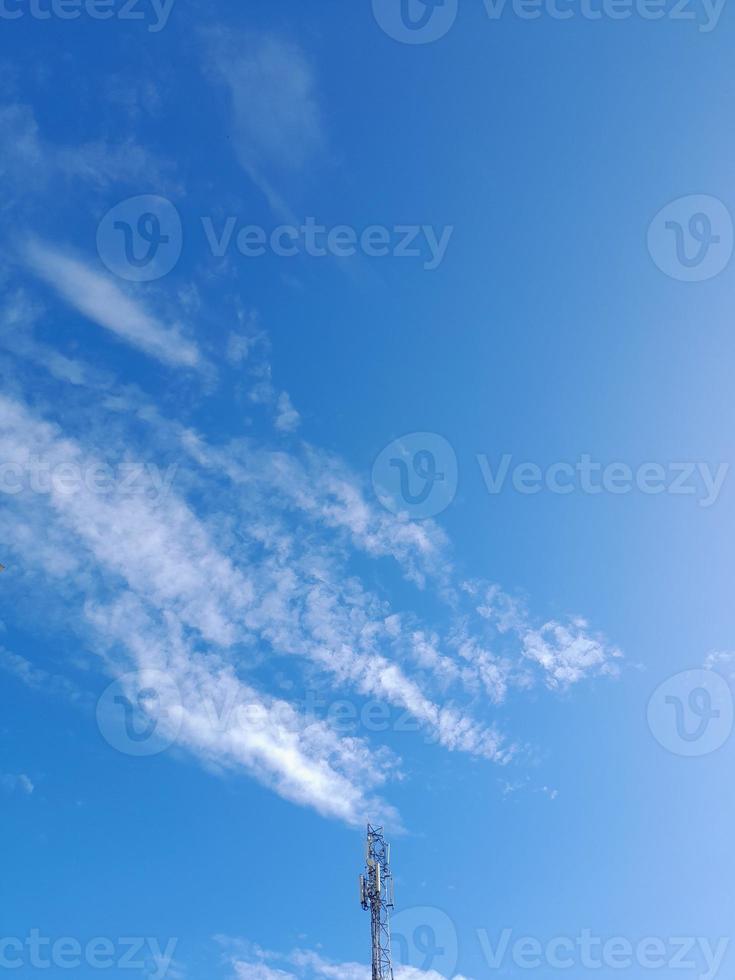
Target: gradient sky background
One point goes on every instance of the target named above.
(528, 792)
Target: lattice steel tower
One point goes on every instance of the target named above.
(376, 894)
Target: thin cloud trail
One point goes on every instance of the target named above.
(249, 554)
(101, 300)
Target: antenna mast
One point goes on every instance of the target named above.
(376, 894)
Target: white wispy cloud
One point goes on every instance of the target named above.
(719, 658)
(17, 320)
(254, 348)
(231, 725)
(275, 111)
(176, 579)
(252, 554)
(101, 300)
(20, 145)
(99, 162)
(287, 418)
(567, 652)
(259, 971)
(307, 964)
(20, 782)
(299, 602)
(38, 678)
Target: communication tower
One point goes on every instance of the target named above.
(376, 895)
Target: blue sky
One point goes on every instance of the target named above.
(365, 442)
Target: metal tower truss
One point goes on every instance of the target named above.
(376, 894)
